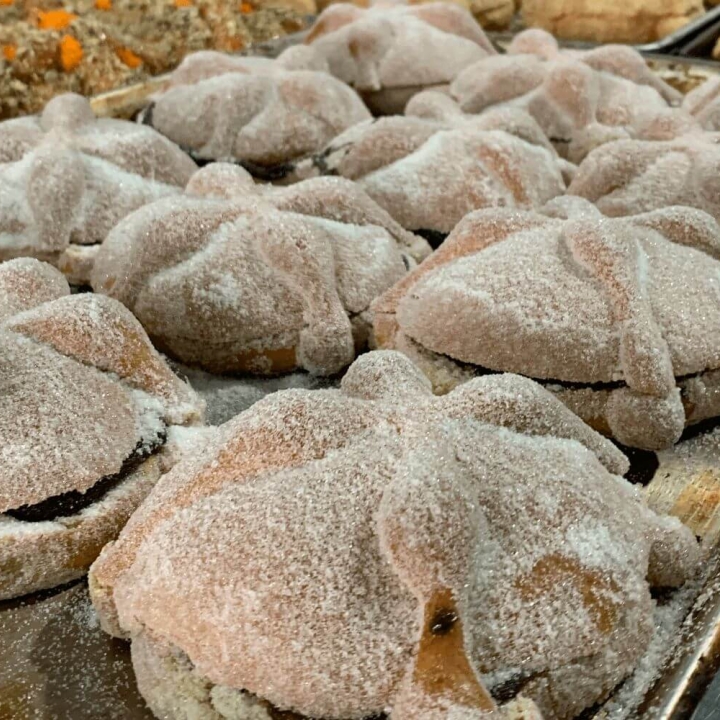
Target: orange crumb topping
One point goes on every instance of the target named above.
(54, 19)
(71, 53)
(103, 4)
(183, 3)
(128, 57)
(6, 2)
(9, 52)
(246, 8)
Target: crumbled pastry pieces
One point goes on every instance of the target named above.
(91, 47)
(391, 51)
(372, 531)
(581, 100)
(57, 196)
(134, 148)
(429, 172)
(86, 399)
(235, 279)
(260, 113)
(615, 316)
(629, 176)
(606, 21)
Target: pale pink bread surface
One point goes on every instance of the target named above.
(616, 59)
(578, 299)
(265, 117)
(137, 149)
(631, 176)
(199, 66)
(398, 46)
(580, 100)
(82, 387)
(57, 195)
(428, 173)
(84, 392)
(26, 283)
(331, 198)
(704, 104)
(225, 278)
(368, 504)
(440, 107)
(458, 171)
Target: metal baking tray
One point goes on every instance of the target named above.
(56, 663)
(696, 39)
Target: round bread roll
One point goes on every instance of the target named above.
(348, 552)
(430, 168)
(87, 404)
(580, 99)
(72, 182)
(261, 113)
(137, 149)
(236, 279)
(631, 176)
(391, 51)
(617, 317)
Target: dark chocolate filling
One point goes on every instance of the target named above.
(434, 237)
(643, 464)
(509, 689)
(73, 502)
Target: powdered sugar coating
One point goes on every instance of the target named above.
(323, 538)
(26, 283)
(235, 284)
(82, 387)
(630, 176)
(703, 102)
(331, 198)
(583, 300)
(56, 195)
(428, 174)
(252, 110)
(581, 101)
(398, 46)
(137, 149)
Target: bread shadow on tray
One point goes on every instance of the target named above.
(58, 664)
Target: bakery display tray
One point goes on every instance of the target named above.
(696, 39)
(57, 664)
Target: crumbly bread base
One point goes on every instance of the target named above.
(173, 690)
(39, 555)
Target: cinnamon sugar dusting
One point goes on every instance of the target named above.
(234, 278)
(110, 391)
(582, 300)
(254, 110)
(363, 504)
(429, 173)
